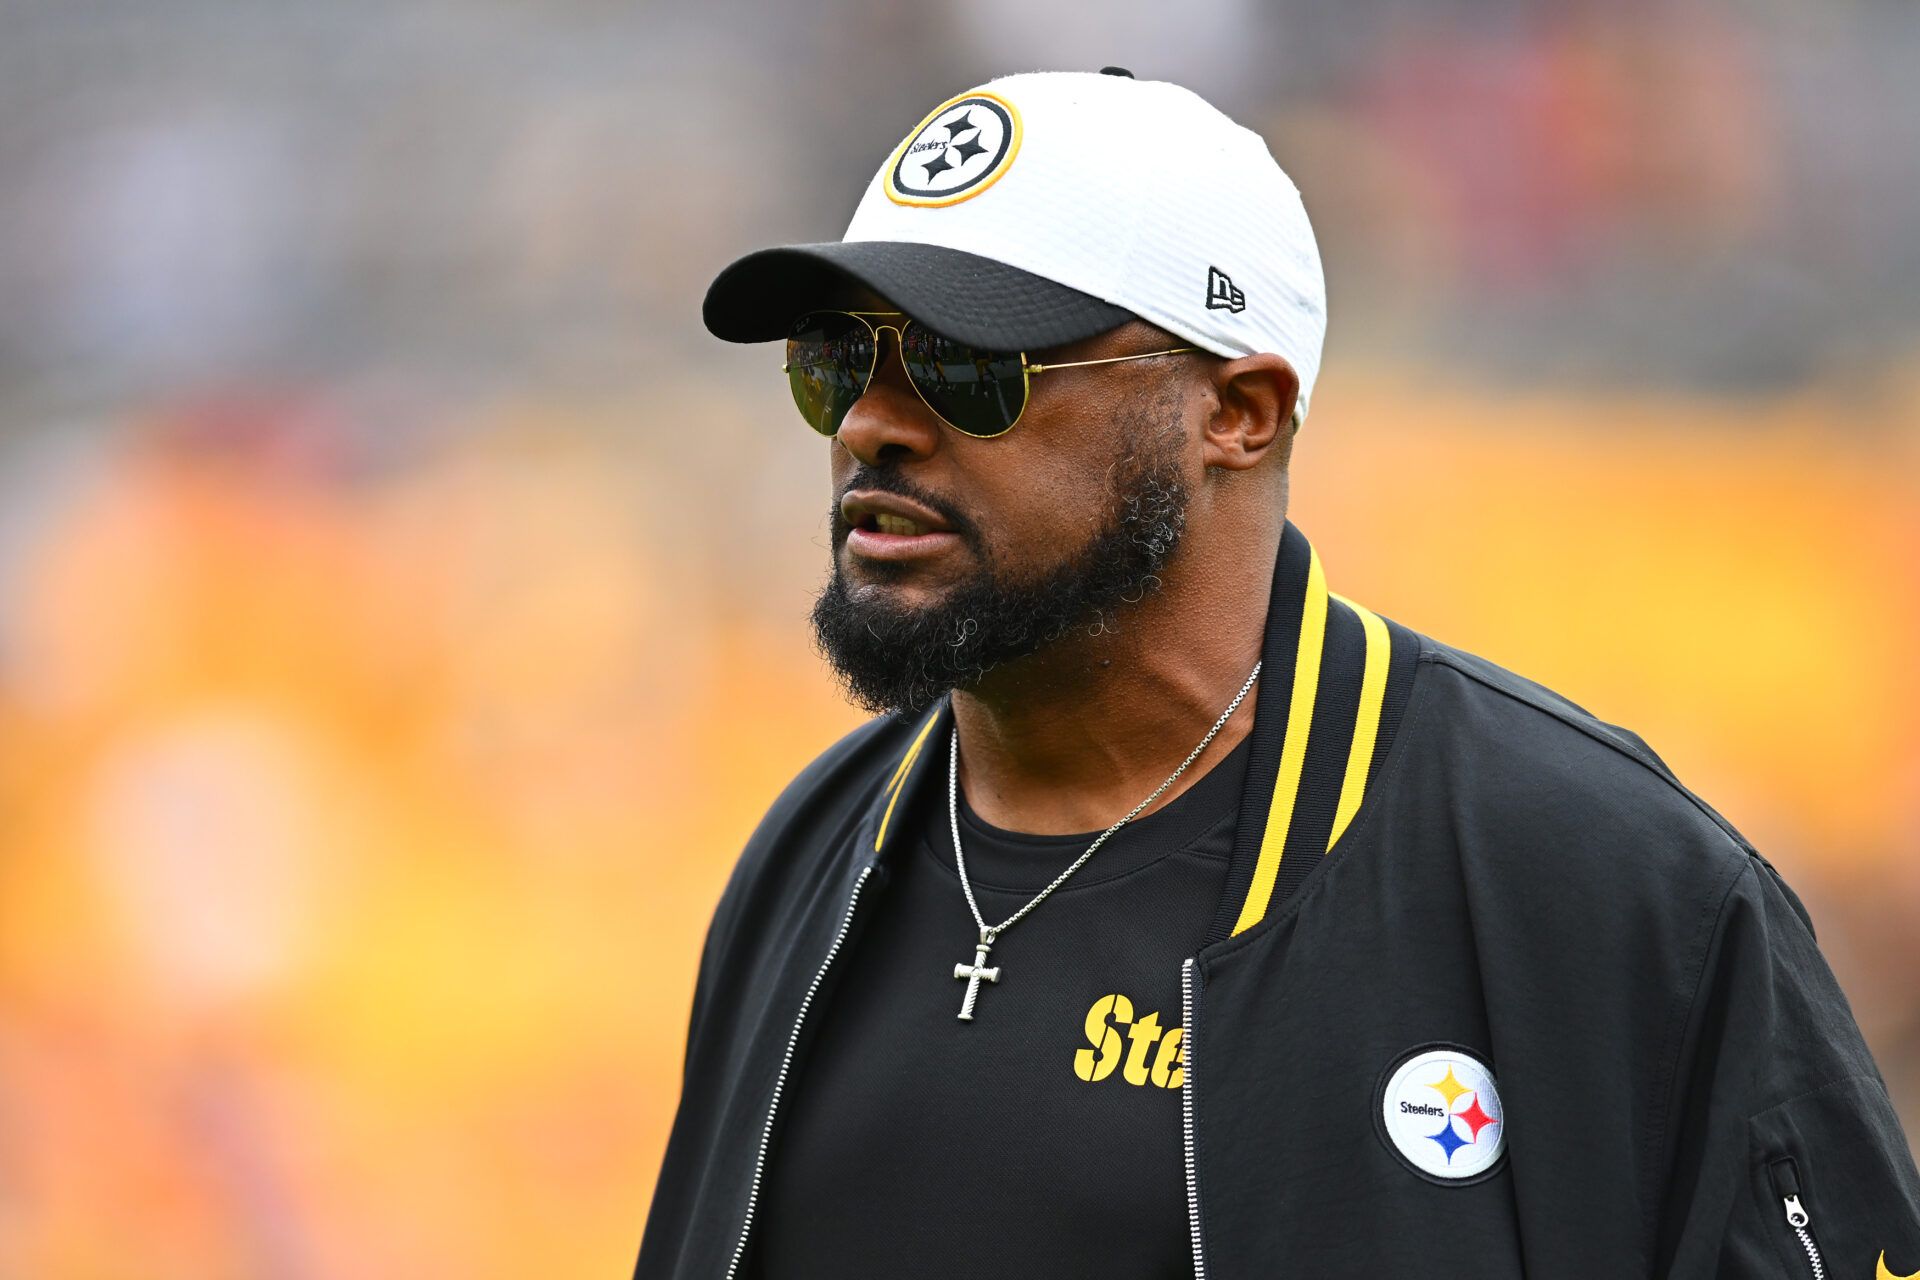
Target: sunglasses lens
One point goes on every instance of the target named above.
(980, 393)
(829, 359)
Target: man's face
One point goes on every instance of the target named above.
(1060, 522)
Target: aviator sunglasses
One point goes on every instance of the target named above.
(832, 355)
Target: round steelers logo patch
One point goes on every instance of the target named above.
(1440, 1112)
(956, 153)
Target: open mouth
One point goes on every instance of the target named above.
(895, 528)
(900, 526)
(883, 536)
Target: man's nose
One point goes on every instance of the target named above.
(890, 420)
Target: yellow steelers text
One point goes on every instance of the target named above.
(1110, 1049)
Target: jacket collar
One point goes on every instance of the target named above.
(1316, 730)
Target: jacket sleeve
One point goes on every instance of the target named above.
(702, 988)
(1786, 1143)
(676, 1189)
(718, 947)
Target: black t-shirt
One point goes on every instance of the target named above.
(1043, 1137)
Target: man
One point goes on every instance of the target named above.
(1181, 916)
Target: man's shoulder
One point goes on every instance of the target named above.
(1563, 790)
(797, 841)
(1530, 706)
(833, 793)
(852, 769)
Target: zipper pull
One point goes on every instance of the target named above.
(1786, 1184)
(1785, 1176)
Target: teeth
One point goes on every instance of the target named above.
(896, 524)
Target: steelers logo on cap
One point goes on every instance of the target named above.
(956, 153)
(1440, 1112)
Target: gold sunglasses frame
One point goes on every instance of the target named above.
(1027, 368)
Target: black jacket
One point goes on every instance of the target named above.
(1440, 865)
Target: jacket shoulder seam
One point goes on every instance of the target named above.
(1667, 1086)
(1431, 652)
(1878, 1081)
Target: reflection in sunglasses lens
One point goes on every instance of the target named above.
(829, 360)
(978, 392)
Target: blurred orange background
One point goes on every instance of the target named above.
(402, 600)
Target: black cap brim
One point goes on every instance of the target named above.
(958, 295)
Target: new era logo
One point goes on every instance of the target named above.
(1221, 293)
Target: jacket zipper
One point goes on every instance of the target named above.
(1186, 1115)
(780, 1082)
(1786, 1184)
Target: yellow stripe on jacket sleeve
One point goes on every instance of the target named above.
(1293, 751)
(1366, 727)
(898, 782)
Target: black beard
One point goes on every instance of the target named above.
(904, 660)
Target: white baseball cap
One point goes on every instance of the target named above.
(1043, 208)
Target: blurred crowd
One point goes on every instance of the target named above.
(402, 598)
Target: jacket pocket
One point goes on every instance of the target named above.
(1783, 1174)
(1834, 1183)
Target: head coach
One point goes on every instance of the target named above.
(1177, 915)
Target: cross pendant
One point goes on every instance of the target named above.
(974, 972)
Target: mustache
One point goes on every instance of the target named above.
(889, 480)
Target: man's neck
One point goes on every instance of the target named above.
(1072, 737)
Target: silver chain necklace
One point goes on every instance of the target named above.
(974, 972)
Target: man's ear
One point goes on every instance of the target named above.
(1255, 396)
